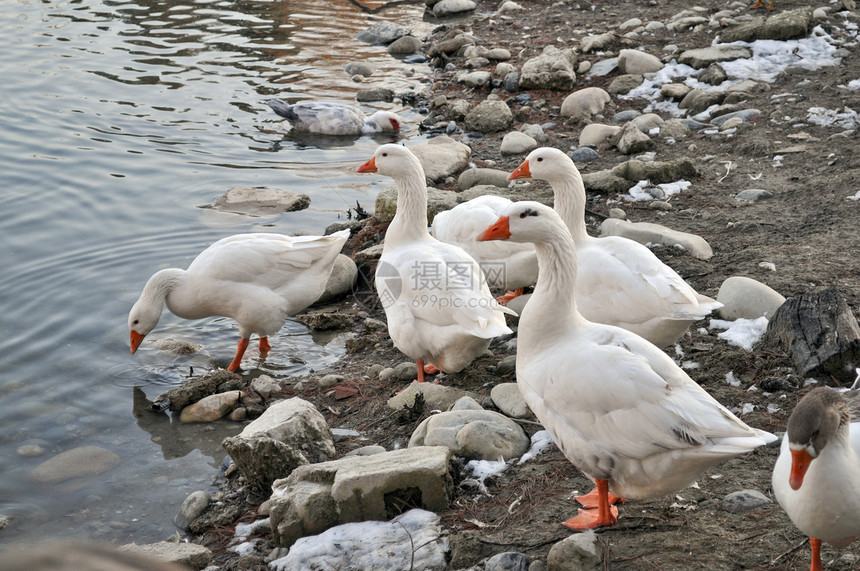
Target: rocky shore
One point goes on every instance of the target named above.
(724, 138)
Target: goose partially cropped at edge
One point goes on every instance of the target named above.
(816, 478)
(507, 265)
(257, 279)
(617, 406)
(439, 308)
(621, 282)
(331, 118)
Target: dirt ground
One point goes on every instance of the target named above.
(808, 230)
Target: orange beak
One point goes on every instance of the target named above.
(136, 338)
(521, 171)
(369, 166)
(800, 461)
(500, 230)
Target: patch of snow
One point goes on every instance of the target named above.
(639, 192)
(847, 118)
(541, 440)
(732, 379)
(741, 332)
(244, 548)
(244, 530)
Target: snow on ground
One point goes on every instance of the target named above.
(644, 190)
(741, 332)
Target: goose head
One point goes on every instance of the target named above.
(142, 319)
(525, 221)
(392, 160)
(544, 163)
(385, 121)
(815, 420)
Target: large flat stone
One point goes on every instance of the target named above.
(647, 232)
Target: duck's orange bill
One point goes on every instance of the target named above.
(521, 171)
(800, 461)
(136, 338)
(369, 166)
(500, 230)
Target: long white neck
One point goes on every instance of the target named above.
(552, 300)
(160, 285)
(569, 201)
(410, 221)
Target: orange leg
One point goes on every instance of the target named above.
(240, 351)
(504, 299)
(815, 544)
(264, 346)
(759, 4)
(606, 514)
(422, 369)
(591, 500)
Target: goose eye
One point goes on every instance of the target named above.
(540, 159)
(522, 214)
(136, 321)
(384, 154)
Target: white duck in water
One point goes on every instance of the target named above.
(816, 478)
(257, 279)
(439, 309)
(621, 282)
(506, 265)
(328, 118)
(617, 406)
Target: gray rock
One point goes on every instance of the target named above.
(289, 434)
(413, 540)
(407, 371)
(552, 69)
(512, 81)
(745, 500)
(603, 67)
(746, 298)
(405, 45)
(503, 69)
(753, 194)
(744, 114)
(365, 451)
(475, 78)
(645, 232)
(638, 62)
(534, 131)
(190, 555)
(451, 45)
(261, 201)
(605, 181)
(481, 176)
(436, 397)
(626, 115)
(714, 74)
(359, 68)
(508, 364)
(674, 129)
(386, 206)
(341, 281)
(211, 408)
(498, 54)
(675, 90)
(517, 143)
(325, 320)
(360, 488)
(579, 552)
(489, 117)
(648, 122)
(75, 464)
(374, 94)
(787, 25)
(192, 508)
(442, 156)
(509, 400)
(624, 84)
(584, 155)
(446, 8)
(585, 102)
(682, 24)
(265, 386)
(597, 134)
(328, 381)
(630, 140)
(473, 434)
(508, 561)
(701, 58)
(697, 100)
(381, 33)
(597, 43)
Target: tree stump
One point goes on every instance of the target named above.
(820, 333)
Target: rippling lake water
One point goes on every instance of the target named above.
(120, 120)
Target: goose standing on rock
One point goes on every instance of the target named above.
(439, 309)
(617, 406)
(620, 281)
(329, 118)
(816, 478)
(258, 279)
(506, 265)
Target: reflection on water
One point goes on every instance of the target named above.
(121, 120)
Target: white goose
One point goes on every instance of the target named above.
(439, 309)
(506, 265)
(621, 282)
(329, 118)
(816, 478)
(257, 279)
(616, 405)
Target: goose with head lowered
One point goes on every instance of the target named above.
(620, 282)
(331, 118)
(616, 405)
(257, 279)
(439, 308)
(816, 478)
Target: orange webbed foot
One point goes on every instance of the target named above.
(264, 346)
(591, 500)
(505, 299)
(590, 519)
